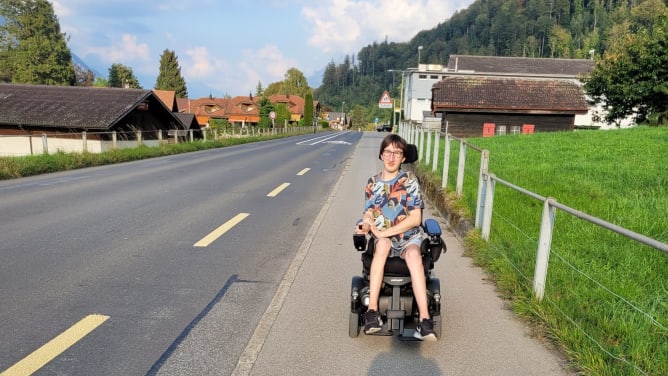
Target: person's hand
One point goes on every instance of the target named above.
(361, 228)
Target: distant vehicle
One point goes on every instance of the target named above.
(384, 128)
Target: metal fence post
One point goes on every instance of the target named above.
(544, 245)
(437, 142)
(460, 168)
(490, 183)
(484, 162)
(446, 162)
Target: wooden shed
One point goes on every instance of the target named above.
(474, 106)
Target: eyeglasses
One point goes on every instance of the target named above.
(396, 153)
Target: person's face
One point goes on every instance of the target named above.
(392, 157)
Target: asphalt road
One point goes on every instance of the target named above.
(105, 270)
(267, 297)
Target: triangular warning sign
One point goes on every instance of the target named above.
(385, 100)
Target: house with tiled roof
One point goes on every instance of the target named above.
(474, 106)
(207, 108)
(31, 112)
(168, 98)
(241, 110)
(294, 103)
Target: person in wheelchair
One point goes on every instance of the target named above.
(392, 215)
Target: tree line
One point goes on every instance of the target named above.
(627, 39)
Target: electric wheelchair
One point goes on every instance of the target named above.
(396, 302)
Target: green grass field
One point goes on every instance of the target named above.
(606, 297)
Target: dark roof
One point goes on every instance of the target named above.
(519, 65)
(471, 93)
(67, 106)
(188, 120)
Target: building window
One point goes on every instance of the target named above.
(422, 76)
(515, 129)
(501, 130)
(434, 77)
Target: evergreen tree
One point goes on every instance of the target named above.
(265, 108)
(122, 76)
(32, 48)
(170, 77)
(259, 90)
(308, 110)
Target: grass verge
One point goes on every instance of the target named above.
(606, 297)
(17, 167)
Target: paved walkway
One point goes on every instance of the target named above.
(305, 331)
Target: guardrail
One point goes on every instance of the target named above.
(429, 142)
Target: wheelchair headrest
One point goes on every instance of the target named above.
(411, 153)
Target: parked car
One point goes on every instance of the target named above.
(384, 128)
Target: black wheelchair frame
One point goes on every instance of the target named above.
(396, 303)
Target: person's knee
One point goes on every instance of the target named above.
(383, 247)
(412, 256)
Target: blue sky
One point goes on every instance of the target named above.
(228, 46)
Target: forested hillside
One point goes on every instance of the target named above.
(530, 28)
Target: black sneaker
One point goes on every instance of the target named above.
(372, 322)
(425, 330)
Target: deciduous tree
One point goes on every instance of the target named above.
(632, 77)
(122, 76)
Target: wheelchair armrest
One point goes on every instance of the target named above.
(434, 243)
(360, 242)
(431, 227)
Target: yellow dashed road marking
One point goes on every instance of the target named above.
(304, 171)
(278, 190)
(217, 233)
(40, 357)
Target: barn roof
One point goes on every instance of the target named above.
(519, 65)
(67, 106)
(506, 94)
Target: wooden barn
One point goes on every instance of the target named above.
(30, 112)
(475, 106)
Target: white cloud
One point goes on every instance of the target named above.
(124, 51)
(201, 65)
(347, 25)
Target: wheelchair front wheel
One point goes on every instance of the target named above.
(354, 325)
(438, 325)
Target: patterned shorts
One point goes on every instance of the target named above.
(414, 236)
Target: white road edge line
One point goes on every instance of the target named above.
(254, 346)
